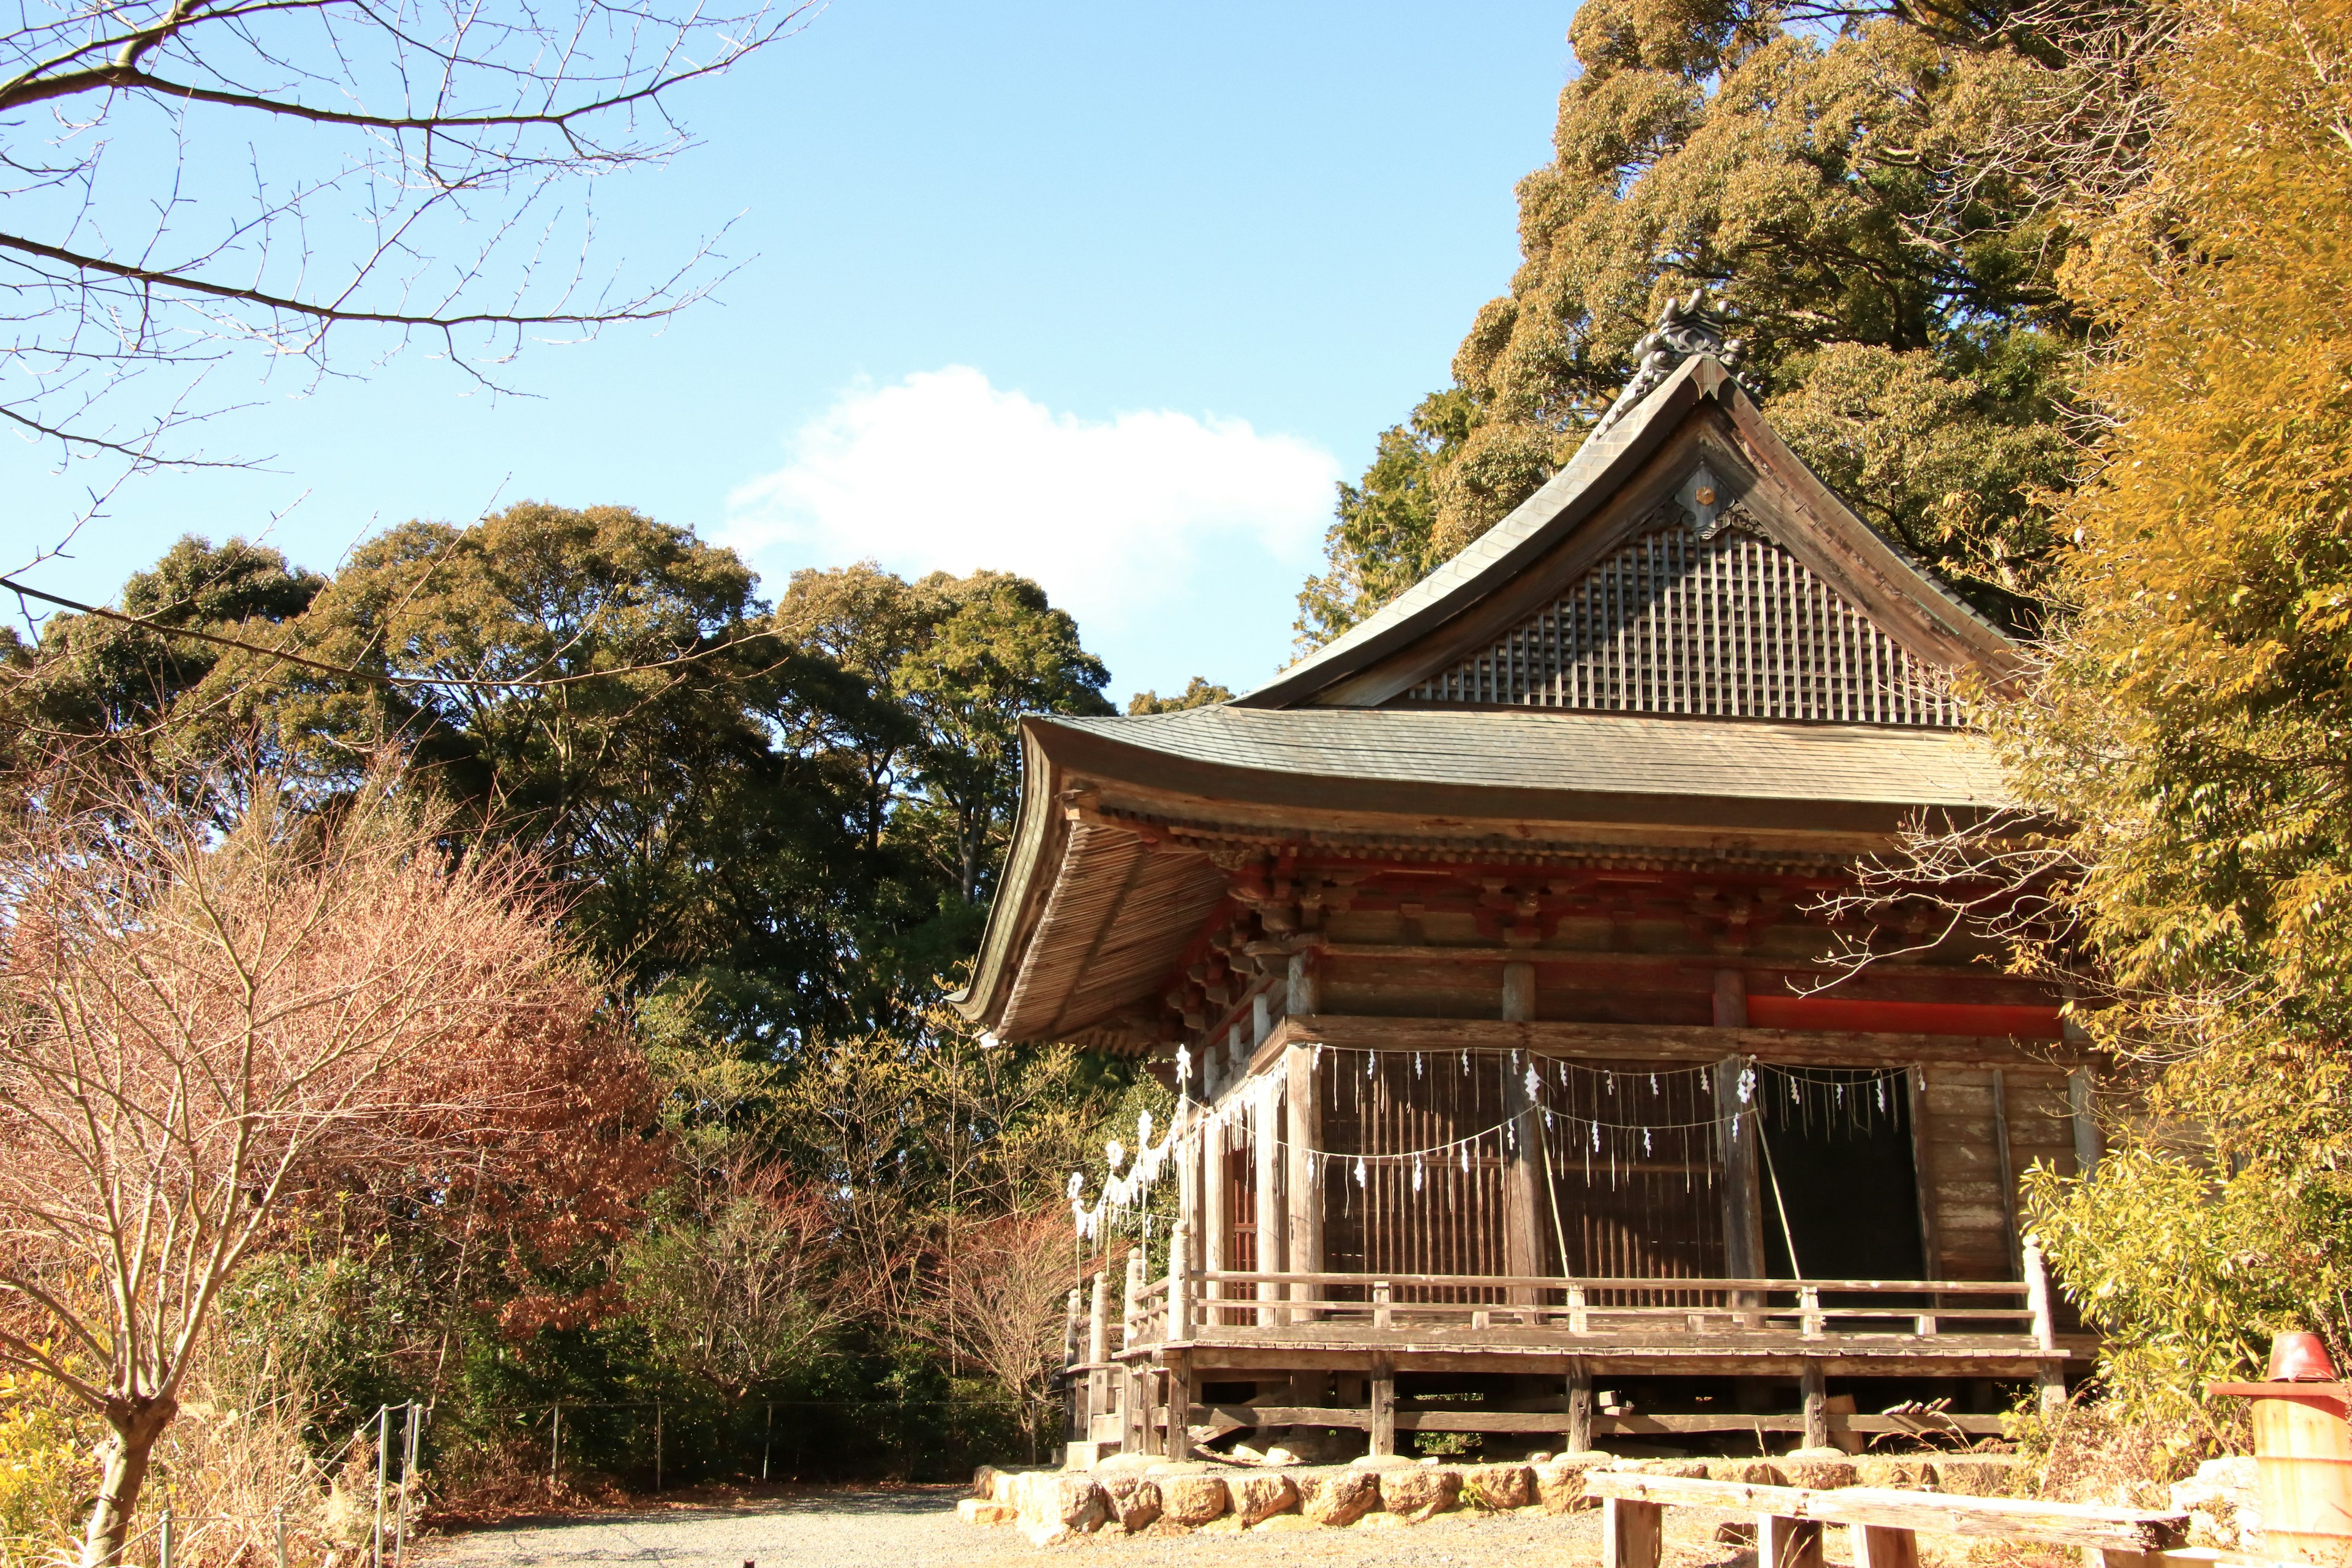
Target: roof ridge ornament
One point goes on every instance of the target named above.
(1685, 329)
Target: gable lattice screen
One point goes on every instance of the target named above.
(1732, 625)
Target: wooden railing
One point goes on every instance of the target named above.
(1215, 1304)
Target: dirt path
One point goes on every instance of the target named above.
(916, 1527)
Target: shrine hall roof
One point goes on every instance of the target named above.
(1554, 752)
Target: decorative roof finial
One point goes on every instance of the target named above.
(1685, 328)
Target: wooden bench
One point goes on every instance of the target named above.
(1789, 1521)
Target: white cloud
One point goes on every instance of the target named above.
(943, 470)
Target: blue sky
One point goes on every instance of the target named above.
(1109, 294)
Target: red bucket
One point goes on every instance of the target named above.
(2299, 1357)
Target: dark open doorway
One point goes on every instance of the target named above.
(1841, 1194)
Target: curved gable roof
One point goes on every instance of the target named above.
(1381, 657)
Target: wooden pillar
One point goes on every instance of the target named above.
(1525, 1201)
(1216, 1223)
(1923, 1165)
(1518, 992)
(1730, 999)
(1304, 1132)
(1265, 1117)
(1580, 1406)
(1306, 986)
(1882, 1546)
(1632, 1534)
(1178, 1446)
(1782, 1542)
(1382, 1390)
(1814, 1385)
(1743, 1208)
(2005, 1171)
(1097, 1352)
(2081, 1101)
(1180, 1285)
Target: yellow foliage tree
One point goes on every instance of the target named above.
(2195, 719)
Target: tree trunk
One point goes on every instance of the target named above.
(136, 1427)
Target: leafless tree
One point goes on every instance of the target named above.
(996, 1296)
(192, 180)
(208, 1019)
(744, 1288)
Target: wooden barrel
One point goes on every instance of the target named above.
(2303, 1471)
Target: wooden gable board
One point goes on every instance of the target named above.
(1612, 494)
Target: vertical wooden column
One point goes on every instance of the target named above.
(1216, 1225)
(1134, 1375)
(1097, 1352)
(2081, 1101)
(1743, 1208)
(2050, 1376)
(1923, 1166)
(2005, 1171)
(1305, 997)
(1178, 1446)
(1580, 1406)
(1632, 1534)
(1382, 1391)
(1525, 1200)
(1880, 1546)
(1303, 1122)
(1730, 999)
(1266, 1119)
(1814, 1387)
(1782, 1542)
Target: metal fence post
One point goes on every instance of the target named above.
(278, 1529)
(658, 1449)
(767, 1442)
(164, 1538)
(554, 1449)
(407, 1469)
(382, 1458)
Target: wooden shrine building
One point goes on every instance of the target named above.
(1524, 1095)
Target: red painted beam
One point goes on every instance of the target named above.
(1974, 1018)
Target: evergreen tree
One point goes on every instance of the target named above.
(1897, 296)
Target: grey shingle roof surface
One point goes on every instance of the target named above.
(1547, 749)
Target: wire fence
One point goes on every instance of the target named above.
(563, 1452)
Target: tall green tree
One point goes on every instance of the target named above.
(963, 658)
(1896, 292)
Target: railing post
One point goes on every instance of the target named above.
(1579, 1318)
(1809, 1302)
(2037, 1296)
(2050, 1376)
(1381, 1296)
(1131, 1313)
(1180, 1242)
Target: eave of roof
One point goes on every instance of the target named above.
(1529, 777)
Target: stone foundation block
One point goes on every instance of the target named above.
(1560, 1482)
(1261, 1496)
(1499, 1486)
(1192, 1501)
(979, 1510)
(1420, 1491)
(1338, 1496)
(1746, 1472)
(1819, 1468)
(1134, 1500)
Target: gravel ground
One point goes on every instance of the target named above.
(916, 1527)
